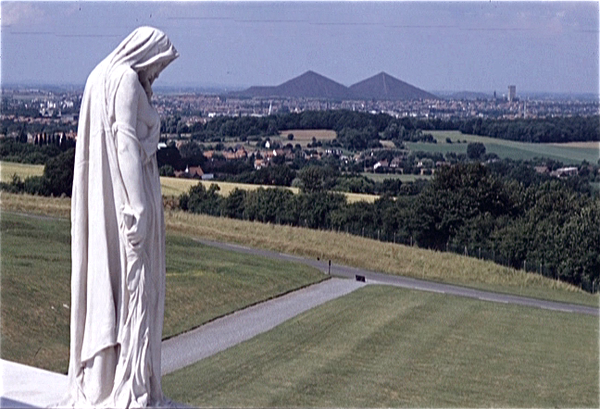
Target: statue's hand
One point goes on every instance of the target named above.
(135, 226)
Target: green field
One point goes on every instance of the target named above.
(23, 170)
(388, 347)
(567, 153)
(304, 136)
(202, 283)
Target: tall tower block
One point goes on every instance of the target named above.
(512, 93)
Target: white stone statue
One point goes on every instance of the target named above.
(118, 232)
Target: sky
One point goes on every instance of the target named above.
(538, 46)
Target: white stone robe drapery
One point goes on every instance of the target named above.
(117, 287)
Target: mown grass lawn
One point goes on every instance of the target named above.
(202, 283)
(205, 282)
(389, 347)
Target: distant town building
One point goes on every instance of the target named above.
(512, 93)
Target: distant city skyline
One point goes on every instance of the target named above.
(436, 46)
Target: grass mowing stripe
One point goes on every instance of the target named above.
(389, 347)
(203, 283)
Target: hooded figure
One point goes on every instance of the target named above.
(118, 232)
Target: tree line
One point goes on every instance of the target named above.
(360, 130)
(548, 227)
(18, 150)
(539, 130)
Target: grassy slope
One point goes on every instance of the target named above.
(202, 284)
(35, 291)
(378, 256)
(388, 347)
(205, 282)
(507, 149)
(346, 249)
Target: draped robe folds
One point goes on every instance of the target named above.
(117, 286)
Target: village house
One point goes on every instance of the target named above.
(396, 162)
(565, 172)
(382, 164)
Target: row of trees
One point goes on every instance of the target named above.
(548, 227)
(542, 130)
(356, 130)
(359, 130)
(14, 150)
(11, 126)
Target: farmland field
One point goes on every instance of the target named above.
(388, 144)
(175, 187)
(24, 170)
(170, 186)
(304, 136)
(566, 153)
(388, 347)
(583, 145)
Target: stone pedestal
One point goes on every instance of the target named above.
(24, 386)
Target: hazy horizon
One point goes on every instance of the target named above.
(541, 47)
(224, 88)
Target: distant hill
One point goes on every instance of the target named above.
(308, 85)
(312, 85)
(385, 87)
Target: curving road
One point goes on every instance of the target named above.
(411, 283)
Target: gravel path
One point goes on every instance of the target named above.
(225, 332)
